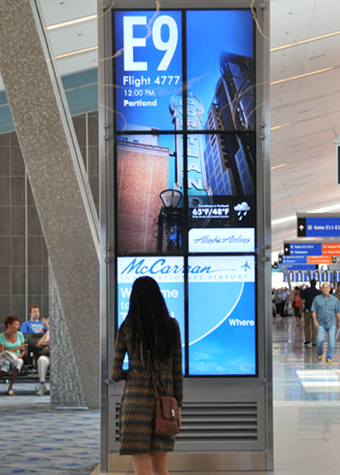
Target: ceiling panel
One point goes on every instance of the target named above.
(74, 38)
(58, 11)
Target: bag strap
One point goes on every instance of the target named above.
(150, 366)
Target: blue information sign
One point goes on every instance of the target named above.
(303, 249)
(297, 266)
(294, 259)
(320, 226)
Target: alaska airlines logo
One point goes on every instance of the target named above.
(207, 239)
(161, 267)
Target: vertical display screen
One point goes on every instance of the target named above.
(167, 272)
(222, 315)
(185, 148)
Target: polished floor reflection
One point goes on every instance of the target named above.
(306, 405)
(298, 375)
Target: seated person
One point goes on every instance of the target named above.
(34, 325)
(43, 361)
(12, 350)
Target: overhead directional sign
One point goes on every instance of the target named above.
(320, 259)
(303, 249)
(304, 260)
(331, 249)
(297, 250)
(318, 226)
(294, 259)
(304, 267)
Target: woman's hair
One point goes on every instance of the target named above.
(9, 320)
(150, 319)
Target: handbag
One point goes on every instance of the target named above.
(45, 350)
(167, 412)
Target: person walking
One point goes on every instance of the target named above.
(148, 333)
(307, 297)
(325, 312)
(296, 304)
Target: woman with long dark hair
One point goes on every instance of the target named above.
(147, 334)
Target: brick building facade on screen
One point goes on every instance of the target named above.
(142, 175)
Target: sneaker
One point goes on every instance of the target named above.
(329, 361)
(42, 389)
(306, 342)
(320, 358)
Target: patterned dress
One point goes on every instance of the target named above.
(138, 405)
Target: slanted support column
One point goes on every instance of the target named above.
(62, 196)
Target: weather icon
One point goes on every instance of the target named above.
(242, 210)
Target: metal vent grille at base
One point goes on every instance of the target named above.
(220, 422)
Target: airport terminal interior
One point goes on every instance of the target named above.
(59, 432)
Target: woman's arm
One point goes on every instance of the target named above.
(117, 372)
(42, 340)
(22, 347)
(22, 354)
(2, 347)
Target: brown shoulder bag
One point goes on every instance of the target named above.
(167, 414)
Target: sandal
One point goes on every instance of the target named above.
(10, 393)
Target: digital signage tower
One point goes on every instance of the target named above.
(184, 167)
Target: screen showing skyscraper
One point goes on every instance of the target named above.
(184, 128)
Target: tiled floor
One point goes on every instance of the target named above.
(37, 440)
(306, 405)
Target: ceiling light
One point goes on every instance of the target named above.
(71, 22)
(326, 209)
(87, 50)
(279, 127)
(284, 220)
(305, 41)
(301, 76)
(317, 57)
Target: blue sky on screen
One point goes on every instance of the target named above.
(229, 349)
(209, 33)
